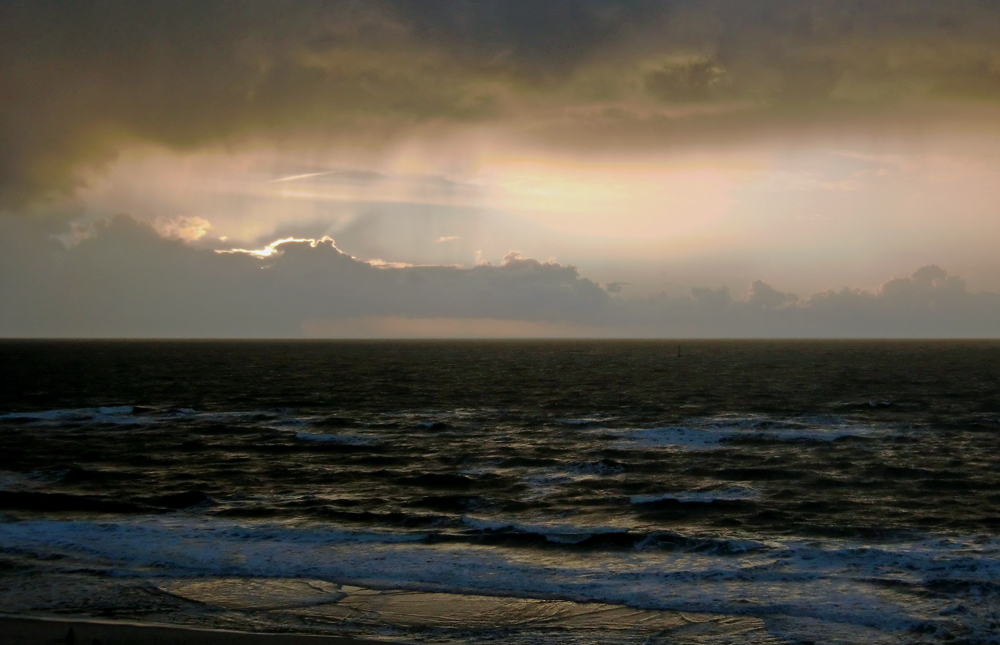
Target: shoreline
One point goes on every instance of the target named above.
(53, 630)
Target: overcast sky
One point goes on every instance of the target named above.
(466, 168)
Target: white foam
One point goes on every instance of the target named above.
(555, 532)
(678, 437)
(596, 469)
(121, 414)
(823, 584)
(351, 440)
(126, 414)
(731, 494)
(585, 422)
(14, 481)
(713, 432)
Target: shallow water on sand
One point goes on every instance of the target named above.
(529, 491)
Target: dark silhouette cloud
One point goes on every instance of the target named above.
(615, 286)
(81, 80)
(928, 303)
(125, 280)
(763, 296)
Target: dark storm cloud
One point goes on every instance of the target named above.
(79, 80)
(525, 37)
(125, 280)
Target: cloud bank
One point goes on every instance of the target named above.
(125, 280)
(81, 81)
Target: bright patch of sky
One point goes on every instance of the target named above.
(807, 217)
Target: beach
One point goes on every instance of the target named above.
(39, 631)
(279, 612)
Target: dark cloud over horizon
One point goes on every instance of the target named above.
(124, 280)
(81, 81)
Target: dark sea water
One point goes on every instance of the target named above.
(517, 492)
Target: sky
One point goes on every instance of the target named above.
(500, 168)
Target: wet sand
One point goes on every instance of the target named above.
(54, 631)
(344, 614)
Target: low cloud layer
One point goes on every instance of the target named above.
(125, 280)
(81, 81)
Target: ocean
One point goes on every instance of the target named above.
(508, 491)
